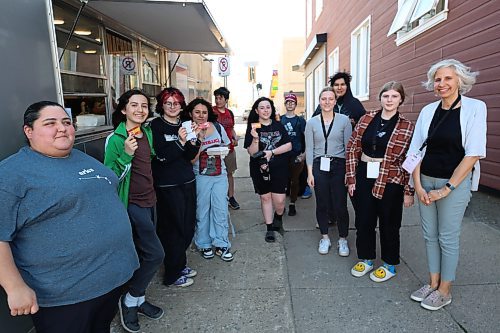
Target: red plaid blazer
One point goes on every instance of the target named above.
(390, 168)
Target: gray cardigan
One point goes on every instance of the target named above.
(473, 128)
(337, 140)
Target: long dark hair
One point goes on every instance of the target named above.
(117, 117)
(212, 116)
(253, 117)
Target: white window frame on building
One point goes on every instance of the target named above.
(333, 62)
(311, 103)
(415, 17)
(308, 17)
(319, 8)
(319, 80)
(360, 60)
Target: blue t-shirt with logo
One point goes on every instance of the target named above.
(295, 126)
(69, 232)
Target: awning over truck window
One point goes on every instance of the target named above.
(180, 26)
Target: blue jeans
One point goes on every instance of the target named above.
(441, 224)
(212, 224)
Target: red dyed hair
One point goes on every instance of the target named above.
(165, 94)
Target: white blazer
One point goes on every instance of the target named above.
(473, 127)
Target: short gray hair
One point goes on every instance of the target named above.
(466, 78)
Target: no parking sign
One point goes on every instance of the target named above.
(127, 65)
(223, 65)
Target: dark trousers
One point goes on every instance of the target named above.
(148, 247)
(92, 316)
(294, 171)
(388, 211)
(330, 192)
(176, 208)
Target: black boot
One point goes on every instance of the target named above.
(278, 223)
(291, 210)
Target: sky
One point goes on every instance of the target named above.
(254, 30)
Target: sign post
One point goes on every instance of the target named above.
(223, 65)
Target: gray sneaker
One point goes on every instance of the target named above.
(435, 301)
(422, 293)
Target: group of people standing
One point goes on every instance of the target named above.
(381, 160)
(78, 238)
(93, 245)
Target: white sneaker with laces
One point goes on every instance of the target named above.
(343, 247)
(324, 246)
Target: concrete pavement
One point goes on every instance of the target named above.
(289, 287)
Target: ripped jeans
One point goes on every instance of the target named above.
(212, 223)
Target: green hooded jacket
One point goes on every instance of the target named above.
(119, 161)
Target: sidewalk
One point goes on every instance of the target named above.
(288, 287)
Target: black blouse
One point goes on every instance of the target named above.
(444, 150)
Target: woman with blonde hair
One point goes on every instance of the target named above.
(449, 140)
(378, 183)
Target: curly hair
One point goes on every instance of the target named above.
(466, 78)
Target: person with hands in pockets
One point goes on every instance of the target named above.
(128, 152)
(268, 144)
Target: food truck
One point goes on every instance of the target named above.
(85, 54)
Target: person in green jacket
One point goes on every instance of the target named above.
(128, 152)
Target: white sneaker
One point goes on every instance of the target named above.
(343, 247)
(324, 246)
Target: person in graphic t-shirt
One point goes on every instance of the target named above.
(212, 223)
(66, 244)
(268, 139)
(175, 186)
(295, 126)
(226, 118)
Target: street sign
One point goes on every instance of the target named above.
(223, 65)
(127, 66)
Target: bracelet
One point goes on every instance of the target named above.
(272, 153)
(440, 194)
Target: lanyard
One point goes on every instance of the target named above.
(325, 133)
(433, 130)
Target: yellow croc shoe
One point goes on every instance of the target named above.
(381, 274)
(361, 268)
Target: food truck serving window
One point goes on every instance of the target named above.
(122, 60)
(150, 69)
(83, 72)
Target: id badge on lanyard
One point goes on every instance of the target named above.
(411, 162)
(325, 160)
(324, 164)
(372, 169)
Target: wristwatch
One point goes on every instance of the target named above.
(451, 187)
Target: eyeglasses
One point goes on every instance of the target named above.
(172, 105)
